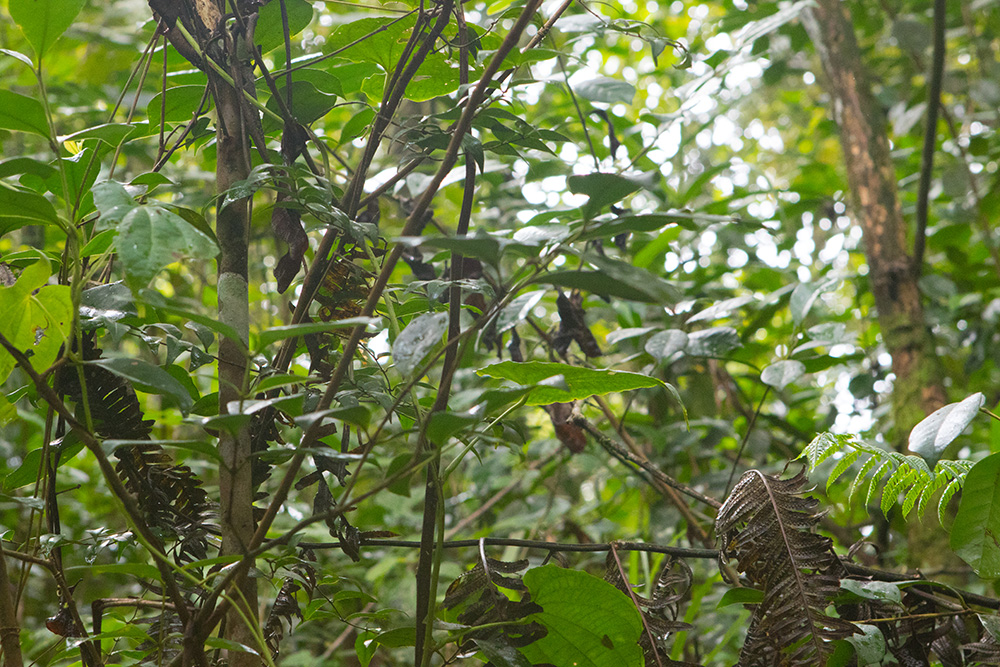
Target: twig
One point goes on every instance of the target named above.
(620, 452)
(930, 135)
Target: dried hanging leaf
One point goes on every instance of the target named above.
(286, 225)
(573, 326)
(568, 433)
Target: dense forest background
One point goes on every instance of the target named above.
(519, 332)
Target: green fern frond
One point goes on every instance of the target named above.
(888, 474)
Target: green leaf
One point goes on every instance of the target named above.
(36, 317)
(100, 243)
(805, 295)
(442, 425)
(22, 114)
(590, 622)
(579, 382)
(667, 345)
(379, 40)
(869, 644)
(517, 310)
(270, 31)
(150, 237)
(740, 596)
(599, 282)
(20, 207)
(110, 133)
(416, 340)
(107, 303)
(501, 655)
(182, 103)
(714, 342)
(44, 21)
(977, 524)
(931, 436)
(603, 189)
(883, 591)
(274, 334)
(608, 91)
(148, 378)
(780, 374)
(114, 203)
(397, 637)
(154, 299)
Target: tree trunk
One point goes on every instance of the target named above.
(232, 227)
(918, 388)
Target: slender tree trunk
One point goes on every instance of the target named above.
(235, 480)
(10, 633)
(232, 227)
(918, 388)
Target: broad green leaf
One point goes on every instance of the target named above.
(590, 622)
(714, 342)
(442, 425)
(110, 133)
(379, 40)
(114, 203)
(667, 345)
(883, 591)
(594, 282)
(309, 102)
(274, 334)
(518, 309)
(22, 114)
(156, 300)
(977, 524)
(20, 207)
(107, 303)
(150, 237)
(603, 189)
(419, 337)
(182, 103)
(805, 295)
(148, 378)
(270, 30)
(44, 21)
(608, 91)
(931, 436)
(17, 166)
(869, 644)
(36, 317)
(782, 373)
(578, 382)
(100, 243)
(740, 596)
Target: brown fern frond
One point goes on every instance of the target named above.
(170, 495)
(661, 609)
(766, 525)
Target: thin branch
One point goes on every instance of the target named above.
(622, 453)
(930, 135)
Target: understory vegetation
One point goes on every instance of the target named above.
(514, 333)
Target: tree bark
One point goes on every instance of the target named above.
(232, 228)
(917, 389)
(10, 633)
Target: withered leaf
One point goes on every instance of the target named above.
(573, 326)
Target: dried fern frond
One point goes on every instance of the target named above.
(766, 525)
(892, 472)
(661, 609)
(170, 495)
